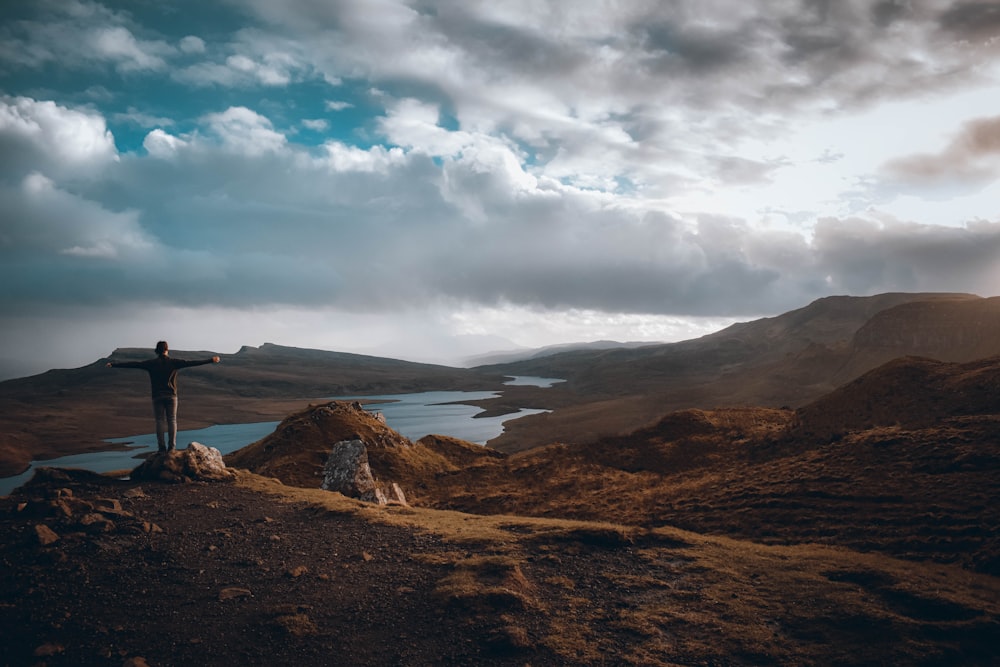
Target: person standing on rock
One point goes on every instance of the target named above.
(163, 382)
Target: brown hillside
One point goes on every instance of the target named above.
(942, 329)
(298, 449)
(720, 537)
(921, 485)
(784, 361)
(908, 392)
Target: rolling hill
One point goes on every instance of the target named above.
(781, 362)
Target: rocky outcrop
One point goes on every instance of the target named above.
(348, 471)
(196, 463)
(58, 512)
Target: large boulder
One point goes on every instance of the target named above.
(347, 471)
(196, 463)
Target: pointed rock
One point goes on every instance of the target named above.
(45, 535)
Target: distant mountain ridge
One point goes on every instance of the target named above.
(511, 356)
(784, 361)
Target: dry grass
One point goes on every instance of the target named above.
(586, 590)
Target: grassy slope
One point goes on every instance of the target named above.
(665, 596)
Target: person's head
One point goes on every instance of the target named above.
(161, 347)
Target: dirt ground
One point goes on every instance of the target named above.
(214, 574)
(106, 572)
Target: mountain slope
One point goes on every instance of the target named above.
(784, 361)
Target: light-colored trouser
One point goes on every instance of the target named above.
(165, 410)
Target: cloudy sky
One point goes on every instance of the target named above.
(427, 179)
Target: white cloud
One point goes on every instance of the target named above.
(245, 131)
(274, 70)
(254, 59)
(41, 219)
(161, 144)
(118, 45)
(192, 44)
(102, 249)
(316, 124)
(134, 116)
(343, 158)
(44, 135)
(79, 35)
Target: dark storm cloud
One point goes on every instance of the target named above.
(672, 46)
(972, 157)
(977, 20)
(865, 257)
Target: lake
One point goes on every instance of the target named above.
(412, 415)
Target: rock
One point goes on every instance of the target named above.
(233, 592)
(108, 505)
(96, 522)
(48, 650)
(135, 662)
(46, 535)
(395, 495)
(61, 507)
(297, 625)
(347, 471)
(206, 462)
(196, 463)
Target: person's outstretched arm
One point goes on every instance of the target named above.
(183, 363)
(125, 364)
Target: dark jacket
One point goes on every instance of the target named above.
(162, 372)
